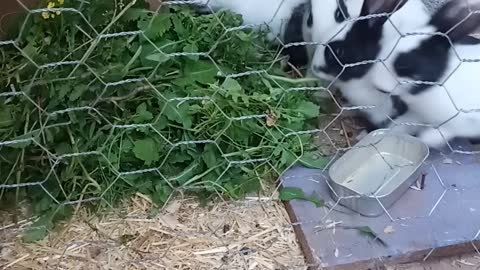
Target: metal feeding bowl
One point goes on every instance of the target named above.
(377, 171)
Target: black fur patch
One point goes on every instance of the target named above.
(310, 18)
(400, 108)
(361, 44)
(341, 13)
(426, 63)
(298, 56)
(475, 140)
(361, 119)
(469, 41)
(399, 105)
(429, 61)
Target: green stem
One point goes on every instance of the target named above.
(199, 176)
(293, 81)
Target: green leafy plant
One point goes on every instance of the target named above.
(293, 193)
(114, 99)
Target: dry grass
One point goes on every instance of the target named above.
(252, 234)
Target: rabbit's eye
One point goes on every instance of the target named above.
(403, 68)
(417, 78)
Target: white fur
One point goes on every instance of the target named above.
(360, 92)
(412, 15)
(324, 25)
(453, 108)
(326, 28)
(375, 104)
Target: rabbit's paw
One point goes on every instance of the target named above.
(434, 138)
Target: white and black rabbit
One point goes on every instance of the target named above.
(287, 21)
(347, 57)
(452, 103)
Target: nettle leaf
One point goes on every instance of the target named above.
(191, 48)
(78, 91)
(142, 115)
(243, 36)
(146, 150)
(201, 71)
(178, 113)
(161, 123)
(162, 193)
(63, 148)
(157, 27)
(135, 14)
(179, 26)
(6, 118)
(233, 88)
(61, 90)
(150, 56)
(308, 109)
(158, 57)
(287, 158)
(209, 155)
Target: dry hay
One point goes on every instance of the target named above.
(253, 234)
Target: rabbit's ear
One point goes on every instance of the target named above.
(371, 7)
(458, 18)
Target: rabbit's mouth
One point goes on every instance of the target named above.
(382, 91)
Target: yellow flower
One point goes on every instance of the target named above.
(45, 15)
(58, 13)
(61, 2)
(51, 5)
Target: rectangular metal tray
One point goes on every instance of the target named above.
(377, 171)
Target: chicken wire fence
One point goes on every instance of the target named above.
(118, 131)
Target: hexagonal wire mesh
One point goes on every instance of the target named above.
(31, 146)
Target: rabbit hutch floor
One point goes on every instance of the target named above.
(440, 220)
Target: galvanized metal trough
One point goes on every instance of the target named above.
(442, 219)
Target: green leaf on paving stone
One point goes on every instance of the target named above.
(294, 193)
(367, 231)
(314, 161)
